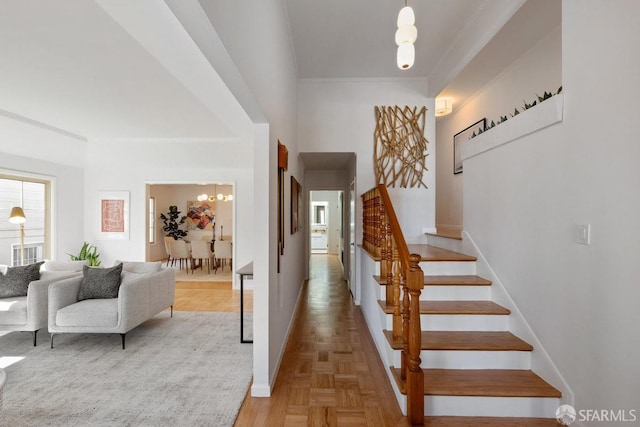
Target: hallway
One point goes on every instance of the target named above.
(331, 373)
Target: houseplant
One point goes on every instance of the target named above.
(172, 222)
(87, 252)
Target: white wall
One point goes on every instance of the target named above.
(537, 71)
(338, 116)
(26, 149)
(523, 200)
(265, 60)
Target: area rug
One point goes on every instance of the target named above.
(187, 370)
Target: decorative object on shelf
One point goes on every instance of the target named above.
(400, 148)
(201, 215)
(283, 164)
(89, 253)
(296, 205)
(172, 222)
(460, 137)
(219, 196)
(17, 216)
(113, 210)
(546, 95)
(444, 106)
(406, 35)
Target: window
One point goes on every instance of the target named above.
(152, 220)
(32, 195)
(33, 252)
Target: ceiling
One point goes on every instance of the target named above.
(106, 69)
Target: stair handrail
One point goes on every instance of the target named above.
(383, 238)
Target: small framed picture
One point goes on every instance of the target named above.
(463, 136)
(113, 215)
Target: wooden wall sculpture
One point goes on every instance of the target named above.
(400, 148)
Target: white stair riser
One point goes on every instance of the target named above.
(442, 359)
(458, 359)
(479, 406)
(448, 293)
(456, 293)
(457, 322)
(448, 268)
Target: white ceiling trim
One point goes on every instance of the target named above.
(157, 29)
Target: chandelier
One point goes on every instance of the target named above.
(219, 196)
(406, 35)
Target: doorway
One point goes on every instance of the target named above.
(326, 230)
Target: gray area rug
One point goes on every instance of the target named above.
(189, 370)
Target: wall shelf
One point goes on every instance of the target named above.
(529, 121)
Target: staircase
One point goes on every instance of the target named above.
(476, 372)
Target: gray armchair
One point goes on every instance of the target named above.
(29, 313)
(142, 294)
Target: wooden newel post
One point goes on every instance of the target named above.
(415, 375)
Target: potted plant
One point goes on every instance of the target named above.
(87, 252)
(172, 222)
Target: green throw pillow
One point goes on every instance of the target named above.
(100, 283)
(15, 283)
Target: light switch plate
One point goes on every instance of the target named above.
(583, 234)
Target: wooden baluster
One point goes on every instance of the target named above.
(376, 224)
(415, 374)
(406, 316)
(389, 265)
(397, 275)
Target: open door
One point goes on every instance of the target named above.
(352, 239)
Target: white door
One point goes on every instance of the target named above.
(352, 240)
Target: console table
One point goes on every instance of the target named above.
(246, 271)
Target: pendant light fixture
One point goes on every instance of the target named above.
(224, 198)
(406, 35)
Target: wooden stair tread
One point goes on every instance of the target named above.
(489, 422)
(466, 341)
(446, 280)
(435, 254)
(482, 382)
(455, 307)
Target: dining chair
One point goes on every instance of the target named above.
(201, 251)
(167, 248)
(180, 251)
(223, 252)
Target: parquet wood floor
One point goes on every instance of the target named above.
(331, 374)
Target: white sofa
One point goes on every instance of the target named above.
(142, 295)
(29, 313)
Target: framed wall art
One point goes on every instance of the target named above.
(461, 137)
(201, 215)
(296, 206)
(113, 215)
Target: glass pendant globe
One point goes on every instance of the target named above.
(406, 56)
(406, 34)
(406, 17)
